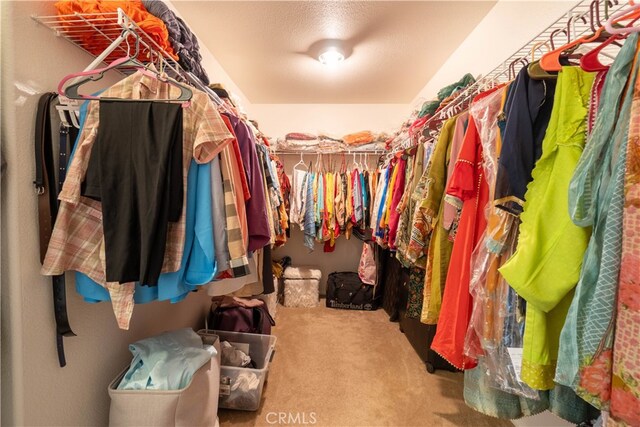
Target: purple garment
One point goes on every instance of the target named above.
(183, 41)
(257, 220)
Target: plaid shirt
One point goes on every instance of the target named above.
(237, 234)
(77, 241)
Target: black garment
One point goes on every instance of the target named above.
(135, 169)
(268, 286)
(528, 110)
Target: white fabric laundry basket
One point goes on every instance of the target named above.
(194, 405)
(302, 287)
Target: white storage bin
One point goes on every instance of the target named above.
(241, 388)
(302, 287)
(196, 404)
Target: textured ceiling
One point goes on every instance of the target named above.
(396, 47)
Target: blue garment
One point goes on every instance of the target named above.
(166, 361)
(320, 207)
(385, 185)
(365, 193)
(309, 224)
(198, 266)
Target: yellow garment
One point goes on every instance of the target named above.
(329, 201)
(545, 268)
(387, 203)
(347, 232)
(432, 206)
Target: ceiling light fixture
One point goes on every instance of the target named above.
(331, 56)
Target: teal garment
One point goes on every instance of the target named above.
(166, 361)
(596, 199)
(561, 401)
(430, 107)
(480, 395)
(198, 265)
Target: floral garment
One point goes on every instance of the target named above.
(625, 384)
(596, 200)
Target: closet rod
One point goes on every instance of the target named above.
(317, 153)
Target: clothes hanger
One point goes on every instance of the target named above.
(301, 162)
(590, 60)
(550, 61)
(534, 69)
(129, 60)
(631, 12)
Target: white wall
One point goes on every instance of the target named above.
(35, 390)
(486, 47)
(346, 255)
(276, 120)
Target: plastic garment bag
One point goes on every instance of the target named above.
(496, 323)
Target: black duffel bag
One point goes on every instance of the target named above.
(346, 290)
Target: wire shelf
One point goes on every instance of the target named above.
(111, 35)
(579, 20)
(576, 22)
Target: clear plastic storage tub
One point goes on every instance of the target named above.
(241, 388)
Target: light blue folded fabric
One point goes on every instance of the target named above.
(165, 362)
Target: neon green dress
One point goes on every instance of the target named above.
(545, 268)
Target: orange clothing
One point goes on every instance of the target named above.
(96, 43)
(469, 185)
(358, 138)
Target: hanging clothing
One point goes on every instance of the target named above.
(298, 197)
(424, 215)
(625, 383)
(198, 265)
(139, 193)
(550, 247)
(407, 206)
(309, 223)
(218, 217)
(596, 199)
(528, 119)
(469, 186)
(440, 246)
(76, 241)
(257, 221)
(416, 252)
(480, 395)
(450, 212)
(394, 215)
(498, 316)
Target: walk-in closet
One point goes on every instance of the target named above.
(320, 213)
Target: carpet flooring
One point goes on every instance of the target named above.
(352, 368)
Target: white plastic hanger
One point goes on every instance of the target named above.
(301, 163)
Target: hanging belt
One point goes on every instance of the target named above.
(47, 191)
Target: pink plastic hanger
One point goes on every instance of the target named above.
(632, 12)
(71, 91)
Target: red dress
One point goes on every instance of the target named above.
(469, 186)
